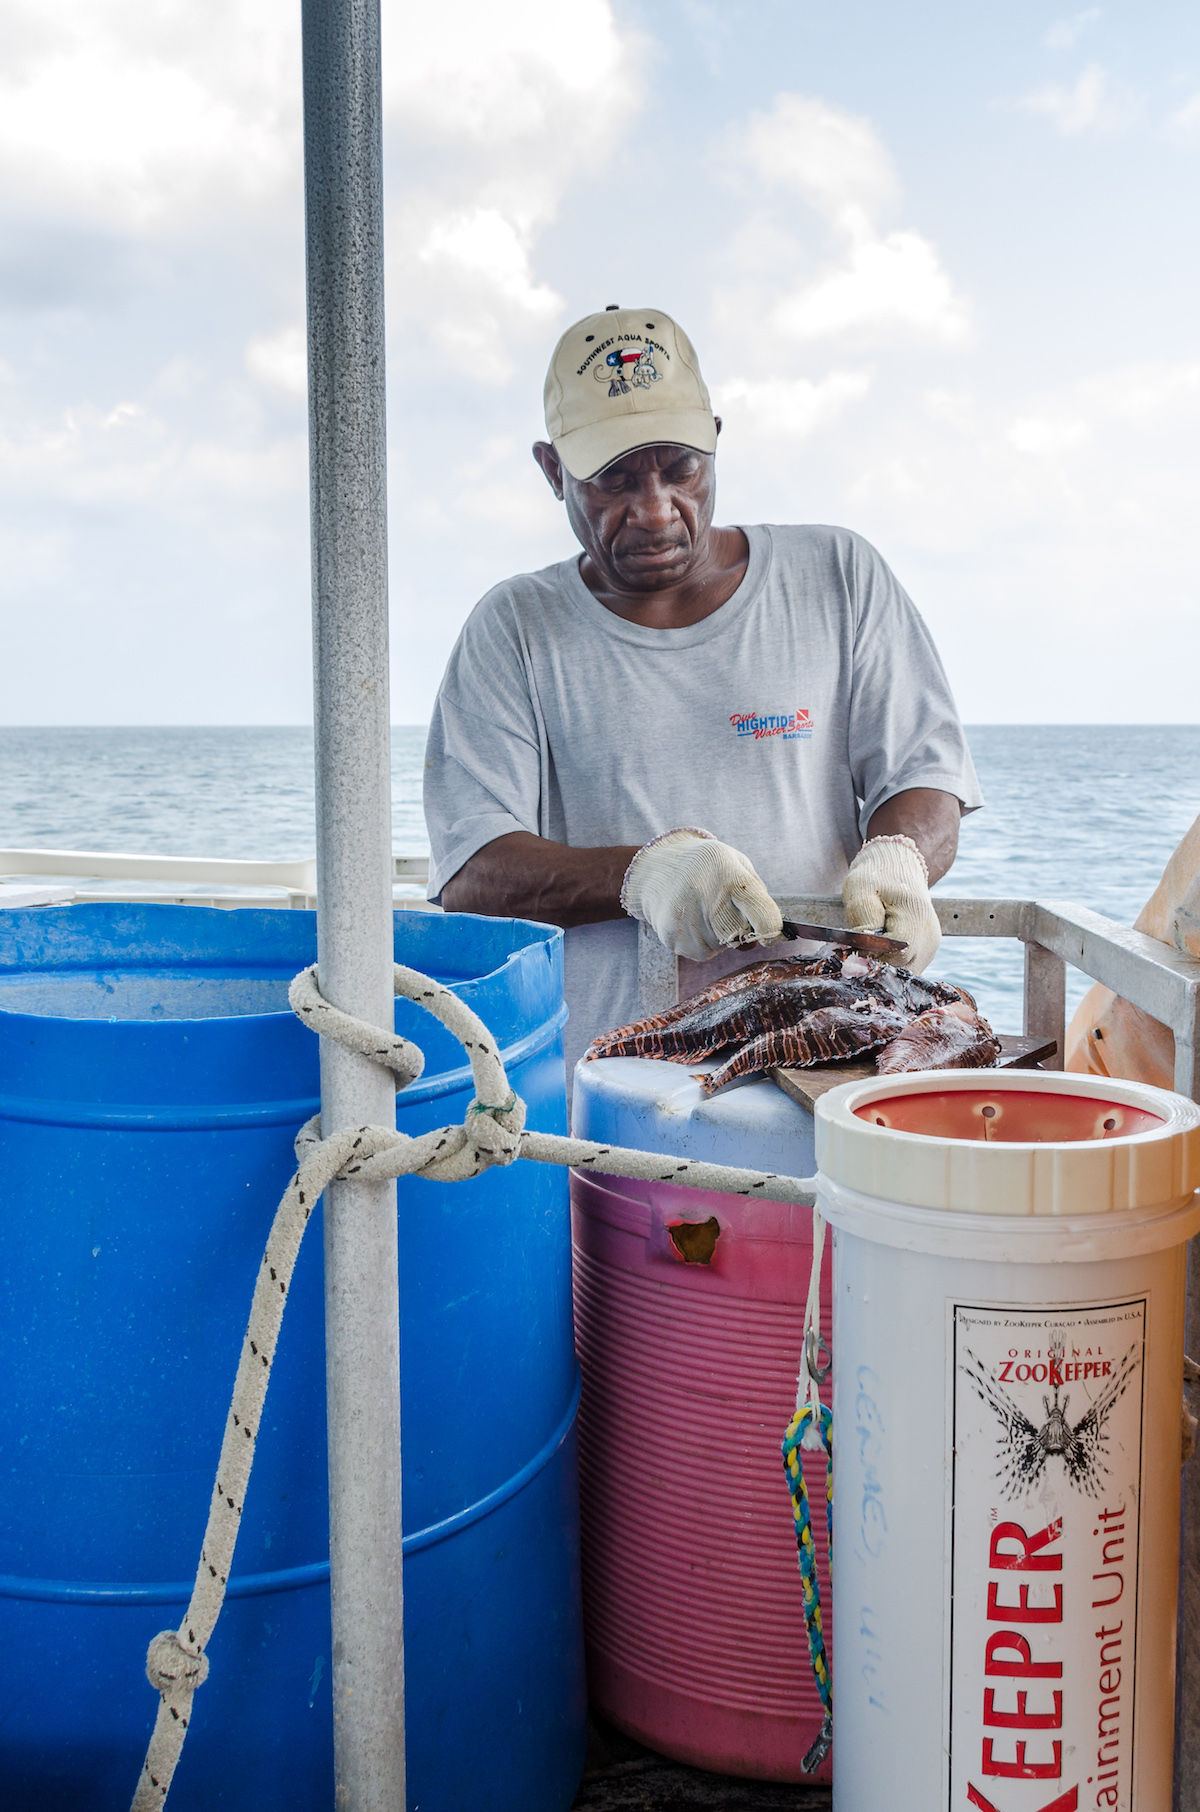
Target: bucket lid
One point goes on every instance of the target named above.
(1010, 1142)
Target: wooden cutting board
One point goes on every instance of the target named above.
(805, 1086)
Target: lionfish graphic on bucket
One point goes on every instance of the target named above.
(1024, 1449)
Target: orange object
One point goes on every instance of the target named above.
(1110, 1037)
(1014, 1116)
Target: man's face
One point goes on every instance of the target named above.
(645, 519)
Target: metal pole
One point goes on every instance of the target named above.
(344, 235)
(1046, 1000)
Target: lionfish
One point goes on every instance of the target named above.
(800, 1011)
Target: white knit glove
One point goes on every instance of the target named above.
(887, 889)
(698, 895)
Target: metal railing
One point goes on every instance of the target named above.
(210, 881)
(1149, 974)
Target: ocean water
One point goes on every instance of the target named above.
(1085, 813)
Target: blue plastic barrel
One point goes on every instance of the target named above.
(151, 1083)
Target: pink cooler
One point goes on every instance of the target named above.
(689, 1315)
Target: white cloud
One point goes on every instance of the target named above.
(1029, 434)
(513, 103)
(1076, 109)
(882, 284)
(127, 454)
(1182, 127)
(833, 159)
(1100, 473)
(894, 282)
(507, 76)
(168, 122)
(1150, 395)
(159, 121)
(280, 361)
(481, 260)
(143, 119)
(1064, 34)
(791, 408)
(150, 447)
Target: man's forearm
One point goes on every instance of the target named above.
(929, 817)
(521, 876)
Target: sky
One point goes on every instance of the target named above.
(939, 261)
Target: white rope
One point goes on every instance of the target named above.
(812, 1372)
(493, 1132)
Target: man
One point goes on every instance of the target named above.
(686, 720)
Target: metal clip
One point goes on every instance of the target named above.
(814, 1345)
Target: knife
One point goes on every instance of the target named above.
(873, 943)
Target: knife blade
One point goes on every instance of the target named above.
(873, 943)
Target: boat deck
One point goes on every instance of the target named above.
(621, 1776)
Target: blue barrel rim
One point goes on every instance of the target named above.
(151, 1118)
(549, 934)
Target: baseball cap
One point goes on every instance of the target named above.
(625, 379)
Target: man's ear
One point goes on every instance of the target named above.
(551, 464)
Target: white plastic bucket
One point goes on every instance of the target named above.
(1008, 1324)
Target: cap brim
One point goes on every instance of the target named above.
(586, 451)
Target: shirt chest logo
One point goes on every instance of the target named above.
(793, 726)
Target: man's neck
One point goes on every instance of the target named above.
(711, 583)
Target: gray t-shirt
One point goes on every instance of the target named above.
(780, 724)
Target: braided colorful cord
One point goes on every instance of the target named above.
(798, 1491)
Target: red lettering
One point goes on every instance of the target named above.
(1024, 1561)
(1066, 1802)
(1005, 1372)
(1020, 1719)
(1026, 1668)
(1099, 1604)
(1021, 1770)
(1023, 1611)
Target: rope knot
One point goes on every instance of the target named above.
(495, 1132)
(171, 1668)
